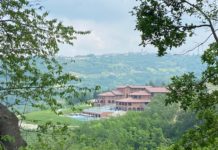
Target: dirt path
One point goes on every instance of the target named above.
(28, 126)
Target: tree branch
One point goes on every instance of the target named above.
(194, 26)
(196, 46)
(206, 17)
(42, 87)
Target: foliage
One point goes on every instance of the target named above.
(82, 97)
(162, 22)
(52, 137)
(28, 36)
(166, 25)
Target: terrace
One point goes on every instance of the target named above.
(95, 113)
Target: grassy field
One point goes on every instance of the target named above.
(76, 108)
(41, 117)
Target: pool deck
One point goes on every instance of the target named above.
(96, 113)
(102, 111)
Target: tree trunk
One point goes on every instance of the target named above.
(9, 127)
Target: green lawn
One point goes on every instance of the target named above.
(76, 108)
(41, 117)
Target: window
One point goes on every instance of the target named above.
(137, 96)
(134, 96)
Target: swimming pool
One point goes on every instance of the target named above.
(110, 108)
(90, 113)
(82, 117)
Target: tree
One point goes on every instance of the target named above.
(166, 24)
(29, 72)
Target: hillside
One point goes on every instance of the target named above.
(108, 71)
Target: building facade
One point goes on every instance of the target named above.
(130, 97)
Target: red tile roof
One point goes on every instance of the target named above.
(138, 86)
(132, 100)
(134, 86)
(157, 89)
(111, 93)
(106, 94)
(140, 93)
(150, 89)
(116, 92)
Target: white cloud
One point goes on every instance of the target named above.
(116, 37)
(110, 23)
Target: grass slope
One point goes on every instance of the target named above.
(41, 117)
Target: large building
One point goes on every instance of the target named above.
(130, 97)
(109, 97)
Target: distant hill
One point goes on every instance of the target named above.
(109, 71)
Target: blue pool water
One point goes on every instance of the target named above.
(110, 108)
(82, 117)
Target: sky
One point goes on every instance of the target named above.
(111, 24)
